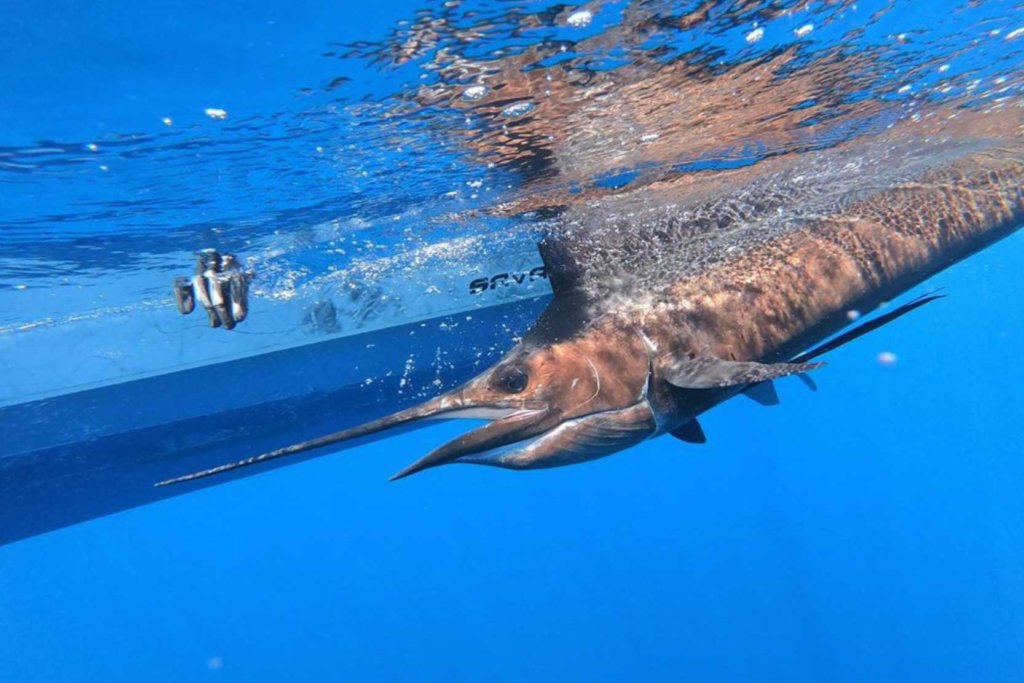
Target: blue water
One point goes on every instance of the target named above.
(871, 531)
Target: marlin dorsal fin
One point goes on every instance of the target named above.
(563, 271)
(705, 371)
(569, 311)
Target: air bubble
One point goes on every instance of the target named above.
(474, 93)
(580, 19)
(518, 109)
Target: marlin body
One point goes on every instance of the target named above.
(714, 297)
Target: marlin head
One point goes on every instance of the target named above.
(555, 404)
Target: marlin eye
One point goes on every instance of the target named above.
(514, 380)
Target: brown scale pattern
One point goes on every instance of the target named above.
(792, 291)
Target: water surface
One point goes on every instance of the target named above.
(375, 156)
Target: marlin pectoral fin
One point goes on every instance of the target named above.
(691, 432)
(704, 371)
(764, 393)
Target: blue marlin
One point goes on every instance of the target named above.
(672, 299)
